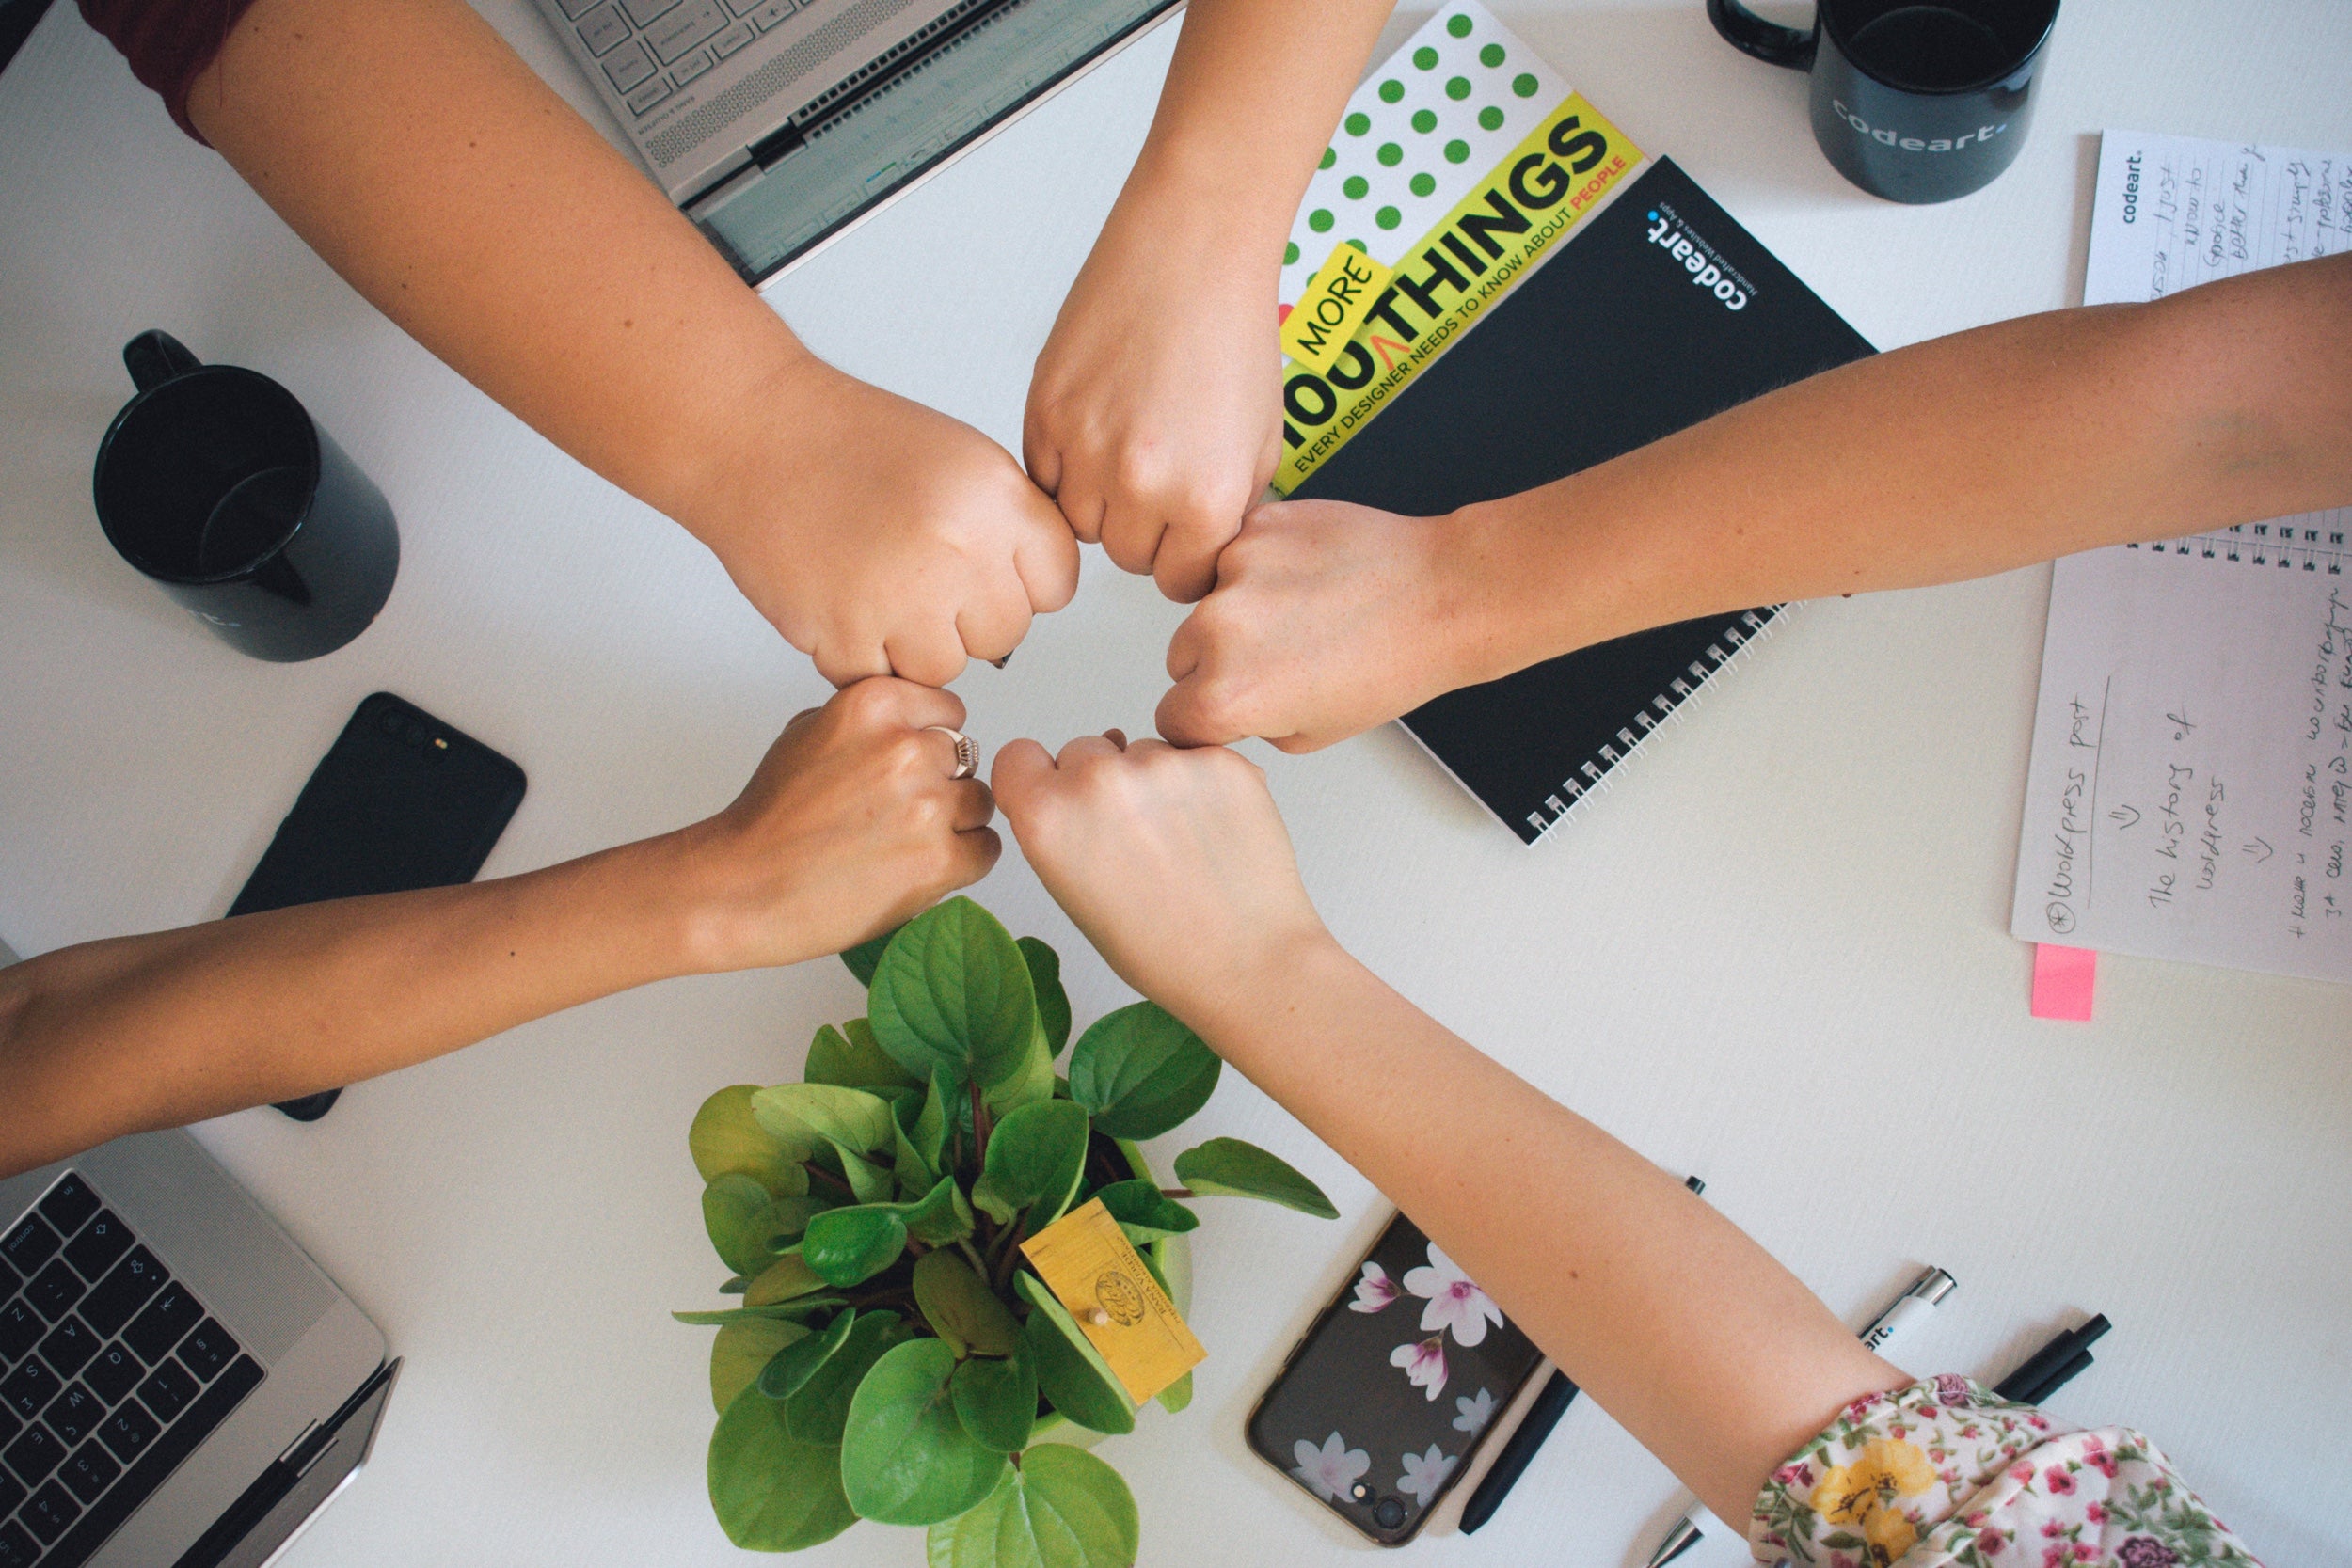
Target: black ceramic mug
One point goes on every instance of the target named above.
(1914, 102)
(220, 487)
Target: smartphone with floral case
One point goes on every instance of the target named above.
(1378, 1409)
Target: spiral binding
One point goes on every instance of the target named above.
(2313, 542)
(1752, 627)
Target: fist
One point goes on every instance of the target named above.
(852, 824)
(897, 540)
(1174, 863)
(1326, 620)
(1154, 415)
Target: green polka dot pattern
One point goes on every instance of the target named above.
(1446, 107)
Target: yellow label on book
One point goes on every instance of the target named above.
(1332, 306)
(1559, 172)
(1094, 1272)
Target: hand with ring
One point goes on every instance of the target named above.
(864, 813)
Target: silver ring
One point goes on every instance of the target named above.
(967, 754)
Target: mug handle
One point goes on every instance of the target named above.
(1768, 41)
(154, 358)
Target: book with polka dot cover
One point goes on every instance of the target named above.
(1548, 298)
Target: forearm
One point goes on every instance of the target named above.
(1683, 1329)
(1252, 99)
(425, 162)
(1951, 459)
(135, 1033)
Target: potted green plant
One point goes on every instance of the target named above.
(894, 1359)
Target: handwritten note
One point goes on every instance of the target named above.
(2190, 795)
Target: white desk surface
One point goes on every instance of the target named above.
(1776, 953)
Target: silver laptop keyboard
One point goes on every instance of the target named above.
(111, 1373)
(649, 49)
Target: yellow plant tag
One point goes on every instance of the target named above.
(1332, 306)
(1093, 1270)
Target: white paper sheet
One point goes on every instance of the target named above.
(2190, 794)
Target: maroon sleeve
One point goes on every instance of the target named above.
(168, 42)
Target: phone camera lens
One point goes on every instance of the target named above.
(1389, 1514)
(389, 722)
(416, 735)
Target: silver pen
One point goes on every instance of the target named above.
(1888, 1326)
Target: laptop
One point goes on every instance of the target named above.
(179, 1383)
(778, 125)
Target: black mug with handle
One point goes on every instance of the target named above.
(216, 483)
(1913, 103)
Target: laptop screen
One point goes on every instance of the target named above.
(868, 149)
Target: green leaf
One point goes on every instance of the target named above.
(740, 1350)
(726, 1139)
(1053, 1003)
(1062, 1508)
(922, 1136)
(786, 1277)
(942, 1217)
(773, 1493)
(951, 995)
(849, 1246)
(961, 1308)
(1071, 1372)
(1141, 1072)
(869, 1181)
(1233, 1169)
(847, 1057)
(996, 1401)
(853, 1120)
(866, 955)
(1027, 1080)
(1035, 1158)
(1144, 1213)
(738, 1215)
(783, 1376)
(743, 1314)
(817, 1411)
(1176, 1395)
(905, 1458)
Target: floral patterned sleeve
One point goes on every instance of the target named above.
(1943, 1472)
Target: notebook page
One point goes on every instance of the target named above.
(2190, 794)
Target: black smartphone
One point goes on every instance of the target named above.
(400, 802)
(1378, 1409)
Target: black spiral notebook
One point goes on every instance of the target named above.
(1611, 343)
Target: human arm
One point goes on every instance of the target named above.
(1682, 1328)
(422, 160)
(1154, 413)
(849, 826)
(1949, 459)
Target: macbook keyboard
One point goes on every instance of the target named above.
(648, 49)
(111, 1373)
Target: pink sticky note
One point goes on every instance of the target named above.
(2062, 978)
